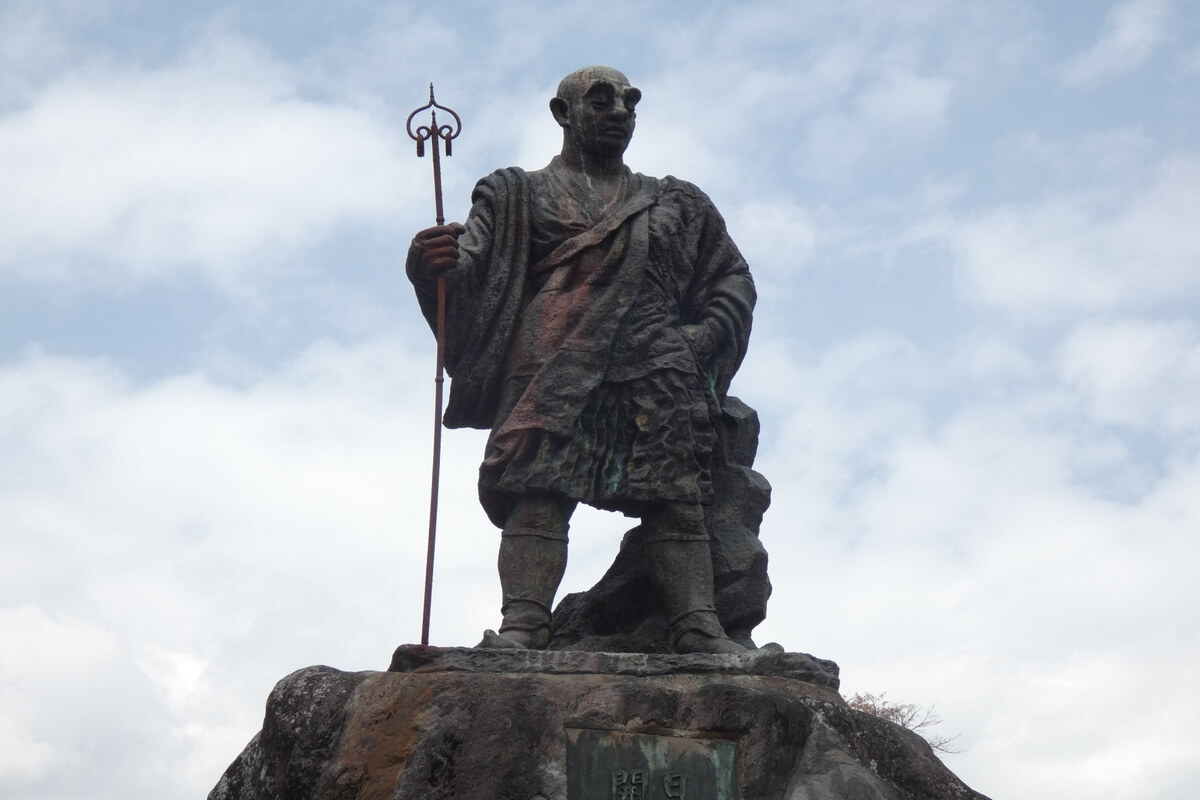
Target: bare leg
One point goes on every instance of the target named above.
(533, 556)
(680, 566)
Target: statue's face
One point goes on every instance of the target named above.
(602, 114)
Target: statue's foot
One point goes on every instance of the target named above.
(526, 624)
(494, 641)
(527, 638)
(699, 642)
(700, 631)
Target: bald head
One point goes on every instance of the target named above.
(576, 85)
(596, 108)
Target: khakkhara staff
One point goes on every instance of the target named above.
(435, 134)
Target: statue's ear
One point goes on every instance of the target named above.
(558, 107)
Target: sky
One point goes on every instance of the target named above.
(975, 230)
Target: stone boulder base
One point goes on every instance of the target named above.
(493, 725)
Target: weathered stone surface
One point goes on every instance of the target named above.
(774, 663)
(300, 738)
(622, 612)
(489, 734)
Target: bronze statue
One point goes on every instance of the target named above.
(595, 317)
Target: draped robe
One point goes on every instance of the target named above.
(565, 337)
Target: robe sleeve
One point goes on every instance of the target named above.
(484, 296)
(721, 293)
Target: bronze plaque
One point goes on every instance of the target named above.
(615, 765)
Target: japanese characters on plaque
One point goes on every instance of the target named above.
(631, 785)
(616, 765)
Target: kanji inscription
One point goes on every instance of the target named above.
(616, 765)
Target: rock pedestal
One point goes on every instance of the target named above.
(467, 724)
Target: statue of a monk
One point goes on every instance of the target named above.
(595, 317)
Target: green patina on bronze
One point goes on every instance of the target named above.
(618, 765)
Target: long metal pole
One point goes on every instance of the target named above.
(438, 382)
(437, 135)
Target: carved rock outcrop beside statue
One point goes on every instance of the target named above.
(500, 725)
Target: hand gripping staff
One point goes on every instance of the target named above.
(435, 134)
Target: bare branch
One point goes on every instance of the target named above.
(907, 715)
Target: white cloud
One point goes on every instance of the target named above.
(29, 46)
(903, 103)
(827, 416)
(895, 109)
(177, 675)
(777, 237)
(1191, 60)
(961, 559)
(216, 164)
(29, 753)
(1139, 373)
(1084, 252)
(23, 759)
(1100, 160)
(993, 363)
(1131, 32)
(177, 547)
(76, 712)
